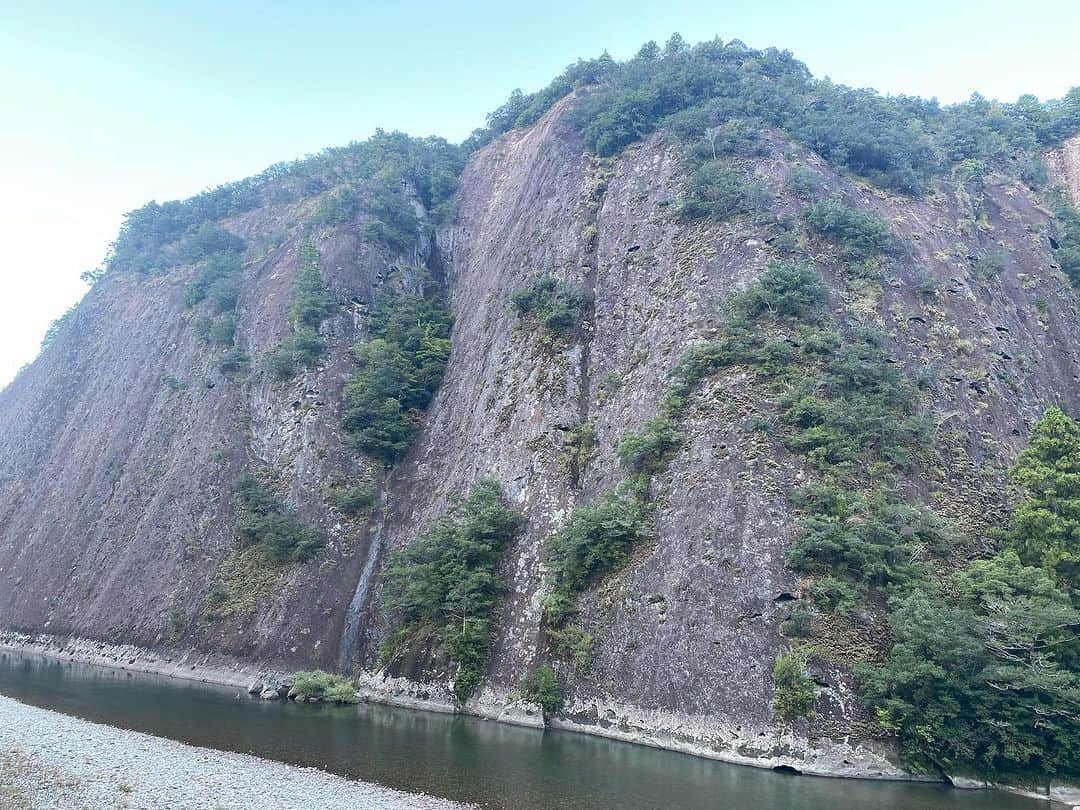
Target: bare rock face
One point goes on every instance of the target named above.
(1063, 166)
(122, 445)
(116, 507)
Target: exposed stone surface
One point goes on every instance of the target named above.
(116, 510)
(1063, 166)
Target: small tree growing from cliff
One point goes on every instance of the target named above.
(985, 681)
(541, 686)
(393, 222)
(1067, 251)
(793, 689)
(859, 236)
(400, 369)
(446, 581)
(551, 304)
(719, 192)
(277, 530)
(338, 207)
(310, 304)
(1045, 526)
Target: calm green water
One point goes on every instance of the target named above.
(460, 758)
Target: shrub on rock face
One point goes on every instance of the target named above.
(311, 301)
(222, 330)
(275, 528)
(311, 304)
(803, 182)
(354, 500)
(784, 289)
(859, 236)
(648, 452)
(447, 580)
(218, 280)
(550, 304)
(338, 207)
(540, 686)
(989, 264)
(400, 369)
(303, 348)
(793, 693)
(393, 222)
(719, 192)
(218, 284)
(282, 362)
(596, 539)
(1067, 251)
(233, 361)
(877, 542)
(318, 685)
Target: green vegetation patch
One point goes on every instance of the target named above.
(982, 677)
(196, 244)
(317, 686)
(159, 237)
(719, 192)
(445, 583)
(355, 500)
(400, 370)
(596, 539)
(724, 90)
(551, 305)
(217, 331)
(1068, 239)
(243, 581)
(793, 693)
(310, 304)
(1045, 527)
(218, 281)
(869, 541)
(393, 222)
(275, 529)
(859, 409)
(859, 236)
(215, 288)
(542, 687)
(803, 182)
(578, 444)
(338, 207)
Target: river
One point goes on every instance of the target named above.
(491, 764)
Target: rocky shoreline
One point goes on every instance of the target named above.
(673, 733)
(51, 760)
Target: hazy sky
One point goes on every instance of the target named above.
(106, 105)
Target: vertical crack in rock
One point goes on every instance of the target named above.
(589, 265)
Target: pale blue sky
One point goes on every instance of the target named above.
(106, 105)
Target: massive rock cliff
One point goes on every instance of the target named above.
(121, 444)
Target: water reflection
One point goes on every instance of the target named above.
(495, 765)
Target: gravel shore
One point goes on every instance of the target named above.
(51, 760)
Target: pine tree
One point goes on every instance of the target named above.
(1045, 527)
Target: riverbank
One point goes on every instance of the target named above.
(698, 735)
(51, 760)
(624, 723)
